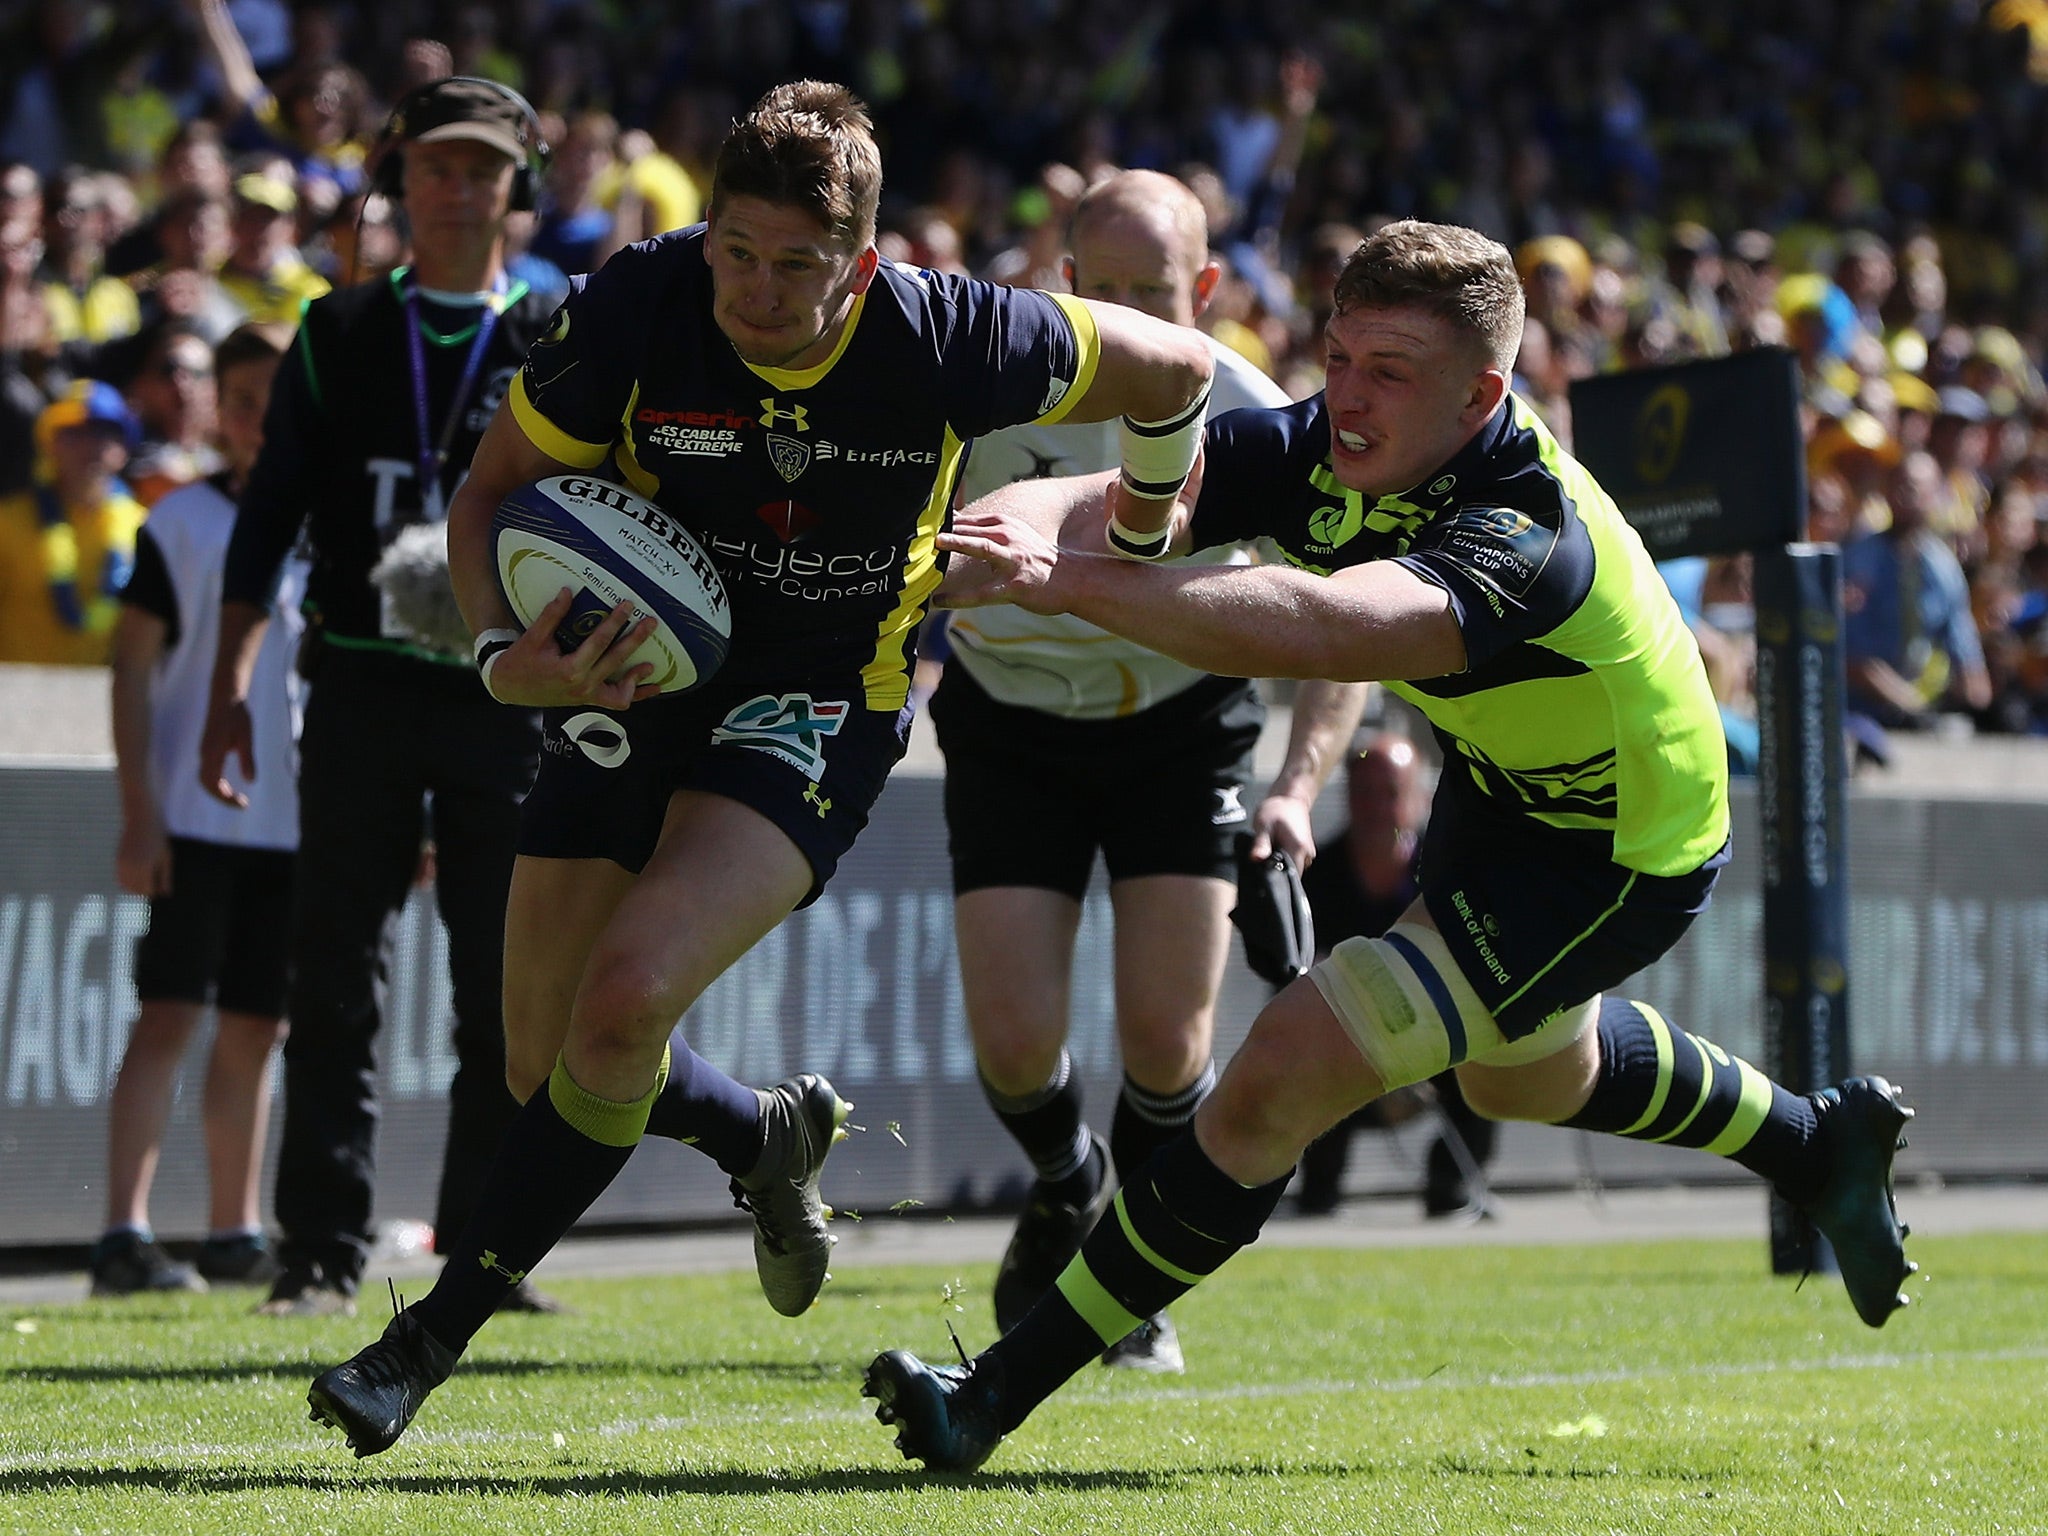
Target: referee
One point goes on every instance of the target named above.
(375, 415)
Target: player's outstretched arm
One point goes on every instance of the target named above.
(532, 670)
(1155, 377)
(1365, 624)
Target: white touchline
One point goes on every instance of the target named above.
(128, 1454)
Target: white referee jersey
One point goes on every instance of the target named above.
(190, 528)
(1058, 663)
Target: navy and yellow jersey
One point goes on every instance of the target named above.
(1583, 705)
(818, 492)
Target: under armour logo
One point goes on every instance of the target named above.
(811, 794)
(490, 1262)
(797, 416)
(1229, 805)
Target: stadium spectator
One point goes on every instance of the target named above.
(173, 395)
(264, 272)
(375, 414)
(317, 117)
(660, 845)
(1909, 636)
(193, 159)
(218, 880)
(194, 236)
(577, 229)
(86, 305)
(1366, 878)
(1034, 715)
(67, 544)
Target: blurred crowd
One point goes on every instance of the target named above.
(1864, 181)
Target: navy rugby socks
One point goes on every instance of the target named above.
(563, 1150)
(1146, 1121)
(704, 1108)
(1658, 1083)
(1171, 1227)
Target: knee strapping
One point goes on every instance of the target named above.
(1412, 1013)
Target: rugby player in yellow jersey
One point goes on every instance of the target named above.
(1441, 541)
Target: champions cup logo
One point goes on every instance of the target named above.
(790, 457)
(1660, 432)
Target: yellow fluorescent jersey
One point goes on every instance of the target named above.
(818, 492)
(1583, 707)
(1057, 663)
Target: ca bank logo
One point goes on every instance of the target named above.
(772, 414)
(1660, 432)
(792, 726)
(598, 737)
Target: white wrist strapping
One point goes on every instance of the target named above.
(1133, 545)
(1157, 455)
(489, 646)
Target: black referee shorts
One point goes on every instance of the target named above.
(223, 934)
(811, 757)
(1031, 797)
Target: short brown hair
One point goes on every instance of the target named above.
(810, 145)
(1454, 273)
(250, 343)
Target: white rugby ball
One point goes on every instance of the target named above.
(609, 544)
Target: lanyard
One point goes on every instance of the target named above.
(433, 451)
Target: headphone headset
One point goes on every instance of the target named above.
(389, 177)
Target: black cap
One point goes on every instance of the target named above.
(463, 108)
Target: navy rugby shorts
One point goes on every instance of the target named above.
(1031, 796)
(811, 757)
(1540, 920)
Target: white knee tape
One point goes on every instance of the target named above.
(1405, 1004)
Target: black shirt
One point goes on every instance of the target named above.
(341, 446)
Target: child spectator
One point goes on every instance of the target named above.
(218, 879)
(67, 544)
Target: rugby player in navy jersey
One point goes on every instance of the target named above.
(1438, 539)
(802, 408)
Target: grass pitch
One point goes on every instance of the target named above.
(1669, 1388)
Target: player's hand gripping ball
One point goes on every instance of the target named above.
(611, 545)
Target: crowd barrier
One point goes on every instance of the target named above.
(1948, 995)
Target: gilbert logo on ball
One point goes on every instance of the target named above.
(612, 545)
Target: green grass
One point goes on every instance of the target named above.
(1666, 1388)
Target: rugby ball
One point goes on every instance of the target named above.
(610, 545)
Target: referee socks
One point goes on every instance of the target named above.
(1047, 1124)
(1170, 1228)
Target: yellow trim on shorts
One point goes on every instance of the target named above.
(1627, 886)
(546, 436)
(1101, 1311)
(1087, 353)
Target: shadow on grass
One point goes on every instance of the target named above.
(709, 1483)
(307, 1368)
